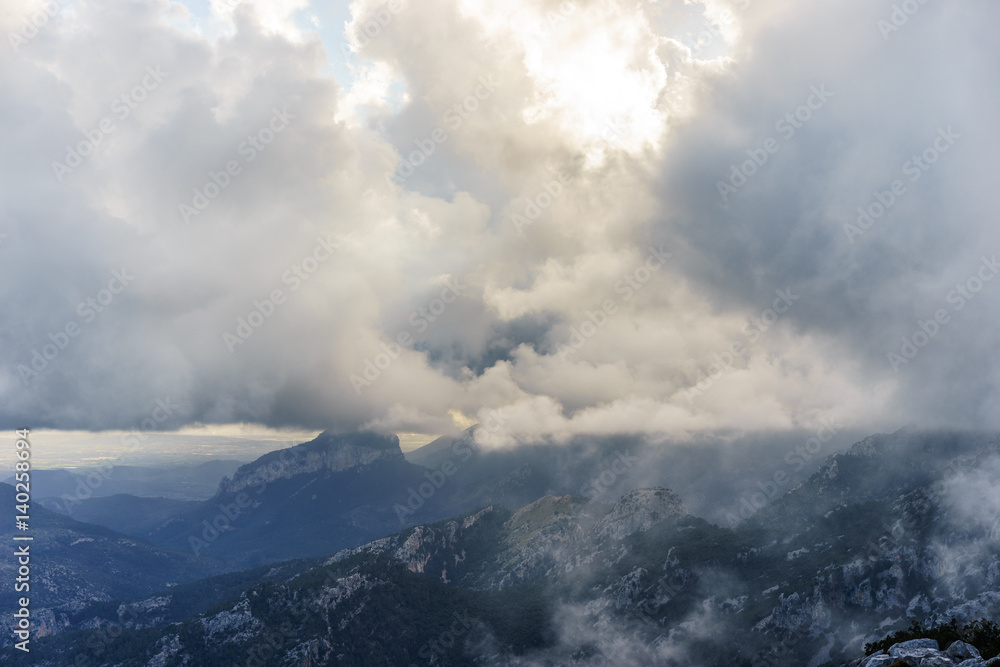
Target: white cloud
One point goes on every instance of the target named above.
(558, 75)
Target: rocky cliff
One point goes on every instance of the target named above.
(329, 451)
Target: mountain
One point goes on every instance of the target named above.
(903, 527)
(339, 491)
(336, 491)
(717, 476)
(342, 490)
(362, 611)
(878, 468)
(328, 452)
(436, 452)
(900, 528)
(497, 549)
(380, 590)
(132, 515)
(66, 488)
(451, 476)
(74, 564)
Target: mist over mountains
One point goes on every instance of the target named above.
(532, 333)
(891, 529)
(179, 482)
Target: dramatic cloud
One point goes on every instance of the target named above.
(567, 218)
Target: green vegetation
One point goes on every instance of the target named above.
(426, 619)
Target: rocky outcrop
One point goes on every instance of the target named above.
(640, 510)
(927, 653)
(329, 451)
(235, 625)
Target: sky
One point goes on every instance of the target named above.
(588, 217)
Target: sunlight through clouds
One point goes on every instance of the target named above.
(602, 86)
(556, 161)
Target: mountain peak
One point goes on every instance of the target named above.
(639, 510)
(329, 440)
(331, 451)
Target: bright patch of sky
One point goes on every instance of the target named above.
(325, 19)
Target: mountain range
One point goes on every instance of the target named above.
(511, 565)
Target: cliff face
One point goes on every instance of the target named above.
(336, 491)
(640, 510)
(329, 451)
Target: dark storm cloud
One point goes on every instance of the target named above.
(890, 101)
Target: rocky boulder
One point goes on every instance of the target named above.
(927, 653)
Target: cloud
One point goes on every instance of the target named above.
(558, 162)
(971, 501)
(786, 225)
(592, 634)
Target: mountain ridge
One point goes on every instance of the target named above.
(330, 451)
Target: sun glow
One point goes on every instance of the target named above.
(595, 69)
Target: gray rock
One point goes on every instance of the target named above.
(915, 644)
(878, 660)
(638, 511)
(914, 650)
(938, 659)
(963, 651)
(328, 451)
(972, 662)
